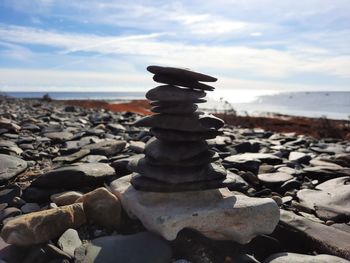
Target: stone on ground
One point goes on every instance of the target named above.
(140, 247)
(10, 166)
(40, 227)
(218, 214)
(287, 257)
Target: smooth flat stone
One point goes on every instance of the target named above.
(173, 93)
(330, 200)
(262, 157)
(177, 175)
(59, 136)
(275, 178)
(181, 73)
(325, 172)
(287, 257)
(175, 109)
(72, 157)
(140, 247)
(106, 147)
(182, 136)
(325, 239)
(10, 166)
(193, 123)
(217, 214)
(168, 79)
(174, 152)
(201, 159)
(142, 183)
(69, 241)
(75, 176)
(176, 103)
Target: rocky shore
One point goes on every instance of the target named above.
(62, 167)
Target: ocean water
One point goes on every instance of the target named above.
(334, 105)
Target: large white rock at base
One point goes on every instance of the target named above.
(218, 214)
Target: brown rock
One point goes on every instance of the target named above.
(102, 207)
(42, 226)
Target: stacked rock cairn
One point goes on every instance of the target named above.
(178, 157)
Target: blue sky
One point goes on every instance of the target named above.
(253, 45)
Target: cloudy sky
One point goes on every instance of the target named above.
(71, 45)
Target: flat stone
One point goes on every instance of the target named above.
(9, 212)
(330, 200)
(137, 146)
(299, 157)
(325, 239)
(145, 184)
(167, 79)
(172, 103)
(325, 172)
(10, 166)
(217, 214)
(195, 122)
(75, 176)
(106, 147)
(69, 241)
(29, 208)
(11, 191)
(181, 73)
(176, 109)
(275, 178)
(102, 207)
(72, 157)
(93, 158)
(40, 227)
(262, 157)
(240, 162)
(173, 93)
(182, 136)
(59, 136)
(65, 198)
(205, 157)
(140, 247)
(177, 175)
(174, 152)
(287, 257)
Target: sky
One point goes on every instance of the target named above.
(99, 45)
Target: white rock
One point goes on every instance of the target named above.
(218, 214)
(300, 258)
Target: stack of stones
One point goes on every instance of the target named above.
(178, 157)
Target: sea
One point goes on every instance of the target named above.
(329, 104)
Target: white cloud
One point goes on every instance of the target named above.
(265, 62)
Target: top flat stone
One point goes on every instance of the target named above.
(173, 80)
(181, 73)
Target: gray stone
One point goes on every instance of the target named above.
(275, 178)
(287, 257)
(182, 136)
(140, 247)
(59, 136)
(196, 122)
(175, 109)
(174, 152)
(181, 73)
(10, 166)
(166, 79)
(72, 157)
(93, 158)
(75, 176)
(330, 200)
(69, 241)
(177, 175)
(299, 157)
(173, 93)
(30, 207)
(145, 184)
(326, 239)
(106, 147)
(218, 214)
